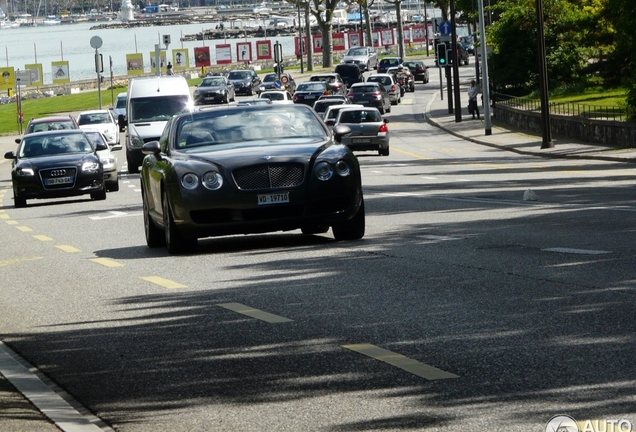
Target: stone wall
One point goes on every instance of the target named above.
(611, 133)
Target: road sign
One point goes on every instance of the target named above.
(284, 79)
(445, 28)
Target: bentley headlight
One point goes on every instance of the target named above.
(90, 167)
(190, 181)
(212, 180)
(25, 172)
(342, 168)
(323, 171)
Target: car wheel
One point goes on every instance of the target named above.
(154, 235)
(381, 109)
(99, 196)
(388, 108)
(113, 187)
(19, 202)
(353, 229)
(132, 166)
(384, 152)
(176, 242)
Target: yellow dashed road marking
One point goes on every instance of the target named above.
(12, 222)
(24, 228)
(107, 262)
(4, 216)
(42, 237)
(18, 260)
(166, 283)
(67, 248)
(398, 360)
(254, 313)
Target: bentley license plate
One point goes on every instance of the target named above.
(59, 180)
(273, 198)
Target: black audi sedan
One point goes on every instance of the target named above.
(56, 164)
(247, 170)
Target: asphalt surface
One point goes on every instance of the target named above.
(31, 403)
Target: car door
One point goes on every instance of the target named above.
(256, 82)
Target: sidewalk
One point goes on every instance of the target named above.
(20, 415)
(503, 137)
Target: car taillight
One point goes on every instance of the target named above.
(392, 87)
(377, 95)
(350, 95)
(326, 92)
(295, 97)
(420, 69)
(384, 128)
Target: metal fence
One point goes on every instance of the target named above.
(598, 112)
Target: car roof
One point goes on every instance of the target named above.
(50, 119)
(54, 132)
(360, 84)
(102, 111)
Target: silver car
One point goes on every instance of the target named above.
(365, 57)
(387, 80)
(369, 131)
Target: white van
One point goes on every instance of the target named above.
(151, 102)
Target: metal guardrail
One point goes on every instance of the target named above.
(598, 112)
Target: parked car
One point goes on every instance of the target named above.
(278, 96)
(55, 164)
(120, 110)
(321, 105)
(103, 121)
(349, 73)
(334, 81)
(388, 62)
(371, 94)
(50, 123)
(369, 131)
(463, 56)
(272, 82)
(245, 81)
(389, 84)
(308, 92)
(418, 69)
(214, 90)
(403, 76)
(214, 175)
(366, 58)
(108, 159)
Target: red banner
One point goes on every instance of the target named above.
(338, 41)
(297, 48)
(317, 41)
(223, 54)
(418, 33)
(387, 37)
(355, 39)
(201, 56)
(264, 50)
(244, 51)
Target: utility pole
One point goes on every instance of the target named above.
(543, 80)
(458, 101)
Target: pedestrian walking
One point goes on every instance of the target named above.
(473, 91)
(169, 69)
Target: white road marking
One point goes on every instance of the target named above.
(113, 215)
(577, 251)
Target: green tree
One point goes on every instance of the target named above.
(570, 29)
(622, 13)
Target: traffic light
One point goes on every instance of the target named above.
(442, 55)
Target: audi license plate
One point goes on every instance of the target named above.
(273, 198)
(59, 180)
(361, 141)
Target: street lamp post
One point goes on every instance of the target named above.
(300, 41)
(485, 86)
(543, 80)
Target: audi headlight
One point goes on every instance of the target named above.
(323, 171)
(90, 167)
(190, 181)
(212, 180)
(25, 172)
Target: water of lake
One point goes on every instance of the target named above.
(71, 42)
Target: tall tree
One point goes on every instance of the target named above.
(622, 13)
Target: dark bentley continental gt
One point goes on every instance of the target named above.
(56, 164)
(249, 169)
